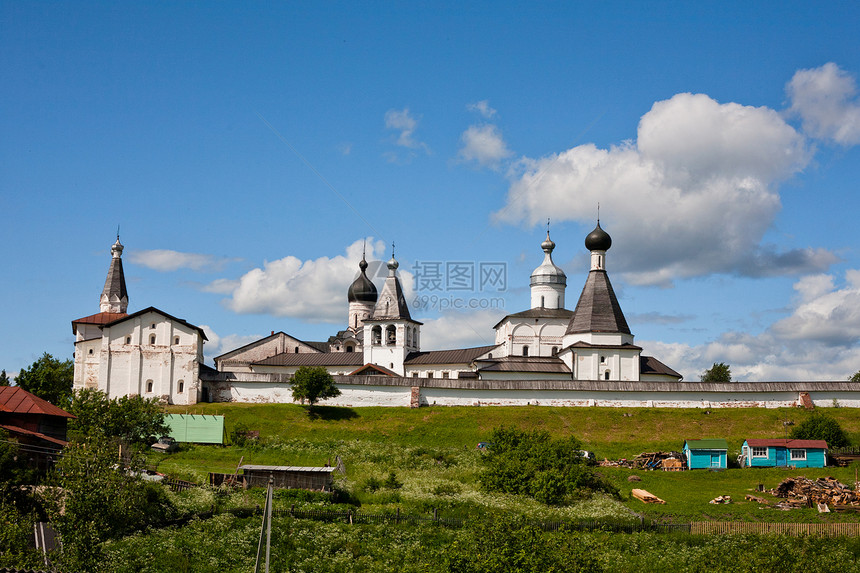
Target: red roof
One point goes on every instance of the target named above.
(24, 432)
(19, 401)
(784, 443)
(100, 318)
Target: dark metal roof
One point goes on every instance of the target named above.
(19, 401)
(115, 281)
(313, 359)
(321, 346)
(539, 313)
(362, 288)
(539, 364)
(391, 303)
(457, 356)
(625, 346)
(650, 365)
(598, 309)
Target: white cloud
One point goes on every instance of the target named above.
(460, 329)
(826, 101)
(165, 260)
(693, 195)
(313, 290)
(484, 145)
(482, 107)
(403, 122)
(218, 345)
(819, 340)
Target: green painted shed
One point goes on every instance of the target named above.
(706, 454)
(196, 428)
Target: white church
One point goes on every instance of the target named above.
(377, 359)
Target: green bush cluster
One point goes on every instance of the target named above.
(532, 463)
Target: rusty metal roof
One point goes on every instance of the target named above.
(100, 318)
(19, 401)
(785, 443)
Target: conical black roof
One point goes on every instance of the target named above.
(597, 309)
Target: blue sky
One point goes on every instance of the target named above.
(248, 150)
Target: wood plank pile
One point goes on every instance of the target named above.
(654, 460)
(721, 499)
(803, 492)
(645, 497)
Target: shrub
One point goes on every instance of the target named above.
(821, 427)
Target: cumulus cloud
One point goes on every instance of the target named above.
(827, 103)
(403, 122)
(484, 145)
(482, 107)
(165, 260)
(817, 341)
(218, 345)
(460, 329)
(313, 290)
(693, 195)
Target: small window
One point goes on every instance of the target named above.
(128, 339)
(149, 386)
(525, 350)
(415, 375)
(297, 350)
(350, 349)
(152, 339)
(490, 355)
(391, 364)
(797, 454)
(181, 386)
(429, 375)
(91, 351)
(606, 375)
(554, 350)
(603, 360)
(446, 375)
(175, 340)
(759, 452)
(376, 335)
(152, 325)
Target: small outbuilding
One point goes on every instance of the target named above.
(776, 452)
(288, 477)
(706, 454)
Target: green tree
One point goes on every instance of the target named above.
(49, 378)
(313, 384)
(820, 426)
(4, 380)
(130, 418)
(98, 500)
(719, 372)
(855, 377)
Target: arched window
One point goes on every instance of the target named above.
(181, 386)
(128, 339)
(541, 301)
(554, 350)
(152, 339)
(606, 375)
(297, 350)
(408, 336)
(391, 335)
(91, 351)
(149, 386)
(525, 350)
(376, 335)
(175, 340)
(350, 348)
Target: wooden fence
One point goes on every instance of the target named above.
(797, 529)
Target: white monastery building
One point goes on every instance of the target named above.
(546, 354)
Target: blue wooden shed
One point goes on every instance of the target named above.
(705, 454)
(783, 453)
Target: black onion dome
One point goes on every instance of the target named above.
(598, 240)
(362, 289)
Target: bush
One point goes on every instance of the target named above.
(821, 427)
(533, 464)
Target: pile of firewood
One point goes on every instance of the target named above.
(804, 492)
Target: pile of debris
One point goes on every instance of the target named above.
(666, 461)
(804, 492)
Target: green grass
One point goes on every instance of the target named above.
(432, 450)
